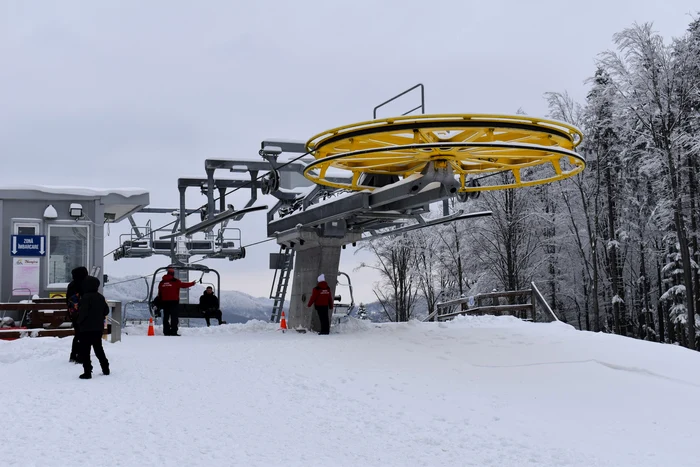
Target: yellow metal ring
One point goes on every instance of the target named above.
(472, 145)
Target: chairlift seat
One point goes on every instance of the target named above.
(137, 248)
(187, 311)
(340, 312)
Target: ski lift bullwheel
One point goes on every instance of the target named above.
(471, 145)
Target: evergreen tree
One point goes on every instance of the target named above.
(362, 312)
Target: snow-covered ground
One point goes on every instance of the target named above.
(479, 391)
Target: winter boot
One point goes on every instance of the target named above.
(105, 370)
(85, 376)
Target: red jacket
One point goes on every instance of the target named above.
(322, 296)
(169, 288)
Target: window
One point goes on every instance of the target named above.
(68, 249)
(26, 228)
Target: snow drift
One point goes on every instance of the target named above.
(476, 391)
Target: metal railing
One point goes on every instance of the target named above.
(421, 106)
(489, 303)
(479, 305)
(542, 302)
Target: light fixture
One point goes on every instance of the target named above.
(50, 212)
(75, 210)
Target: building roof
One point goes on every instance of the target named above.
(118, 202)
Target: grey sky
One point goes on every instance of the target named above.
(124, 94)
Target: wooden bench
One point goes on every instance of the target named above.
(47, 317)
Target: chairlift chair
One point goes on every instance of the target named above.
(341, 311)
(185, 310)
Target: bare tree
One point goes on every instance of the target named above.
(394, 261)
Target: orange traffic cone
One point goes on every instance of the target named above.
(151, 331)
(283, 323)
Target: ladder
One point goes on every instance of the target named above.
(283, 271)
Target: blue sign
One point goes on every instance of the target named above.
(28, 245)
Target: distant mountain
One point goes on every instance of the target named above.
(237, 307)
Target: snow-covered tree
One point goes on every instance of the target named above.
(362, 312)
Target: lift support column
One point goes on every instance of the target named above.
(315, 255)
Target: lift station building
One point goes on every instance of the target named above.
(48, 231)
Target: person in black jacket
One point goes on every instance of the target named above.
(91, 314)
(73, 293)
(209, 306)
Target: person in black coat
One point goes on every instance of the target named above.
(91, 314)
(209, 306)
(73, 293)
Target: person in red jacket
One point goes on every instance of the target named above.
(322, 298)
(169, 294)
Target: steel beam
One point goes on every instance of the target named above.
(133, 226)
(319, 214)
(229, 213)
(220, 183)
(242, 166)
(285, 146)
(165, 211)
(459, 215)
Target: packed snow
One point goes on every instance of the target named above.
(476, 391)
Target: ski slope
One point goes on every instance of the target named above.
(478, 391)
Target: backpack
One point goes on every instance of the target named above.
(73, 304)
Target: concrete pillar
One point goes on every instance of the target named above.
(308, 265)
(314, 255)
(97, 242)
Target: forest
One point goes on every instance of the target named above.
(613, 249)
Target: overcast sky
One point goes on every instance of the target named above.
(139, 93)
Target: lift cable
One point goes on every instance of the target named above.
(254, 180)
(247, 184)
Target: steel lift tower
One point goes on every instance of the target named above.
(358, 182)
(380, 177)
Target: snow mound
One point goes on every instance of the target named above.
(475, 391)
(351, 324)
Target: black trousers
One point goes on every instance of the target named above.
(212, 313)
(325, 320)
(92, 340)
(75, 346)
(170, 318)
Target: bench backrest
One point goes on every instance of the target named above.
(39, 314)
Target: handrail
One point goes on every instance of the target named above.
(431, 315)
(505, 294)
(422, 100)
(542, 301)
(487, 310)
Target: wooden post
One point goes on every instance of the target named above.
(533, 300)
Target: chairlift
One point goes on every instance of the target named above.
(136, 244)
(185, 310)
(341, 311)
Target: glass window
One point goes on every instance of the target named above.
(22, 230)
(26, 228)
(68, 249)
